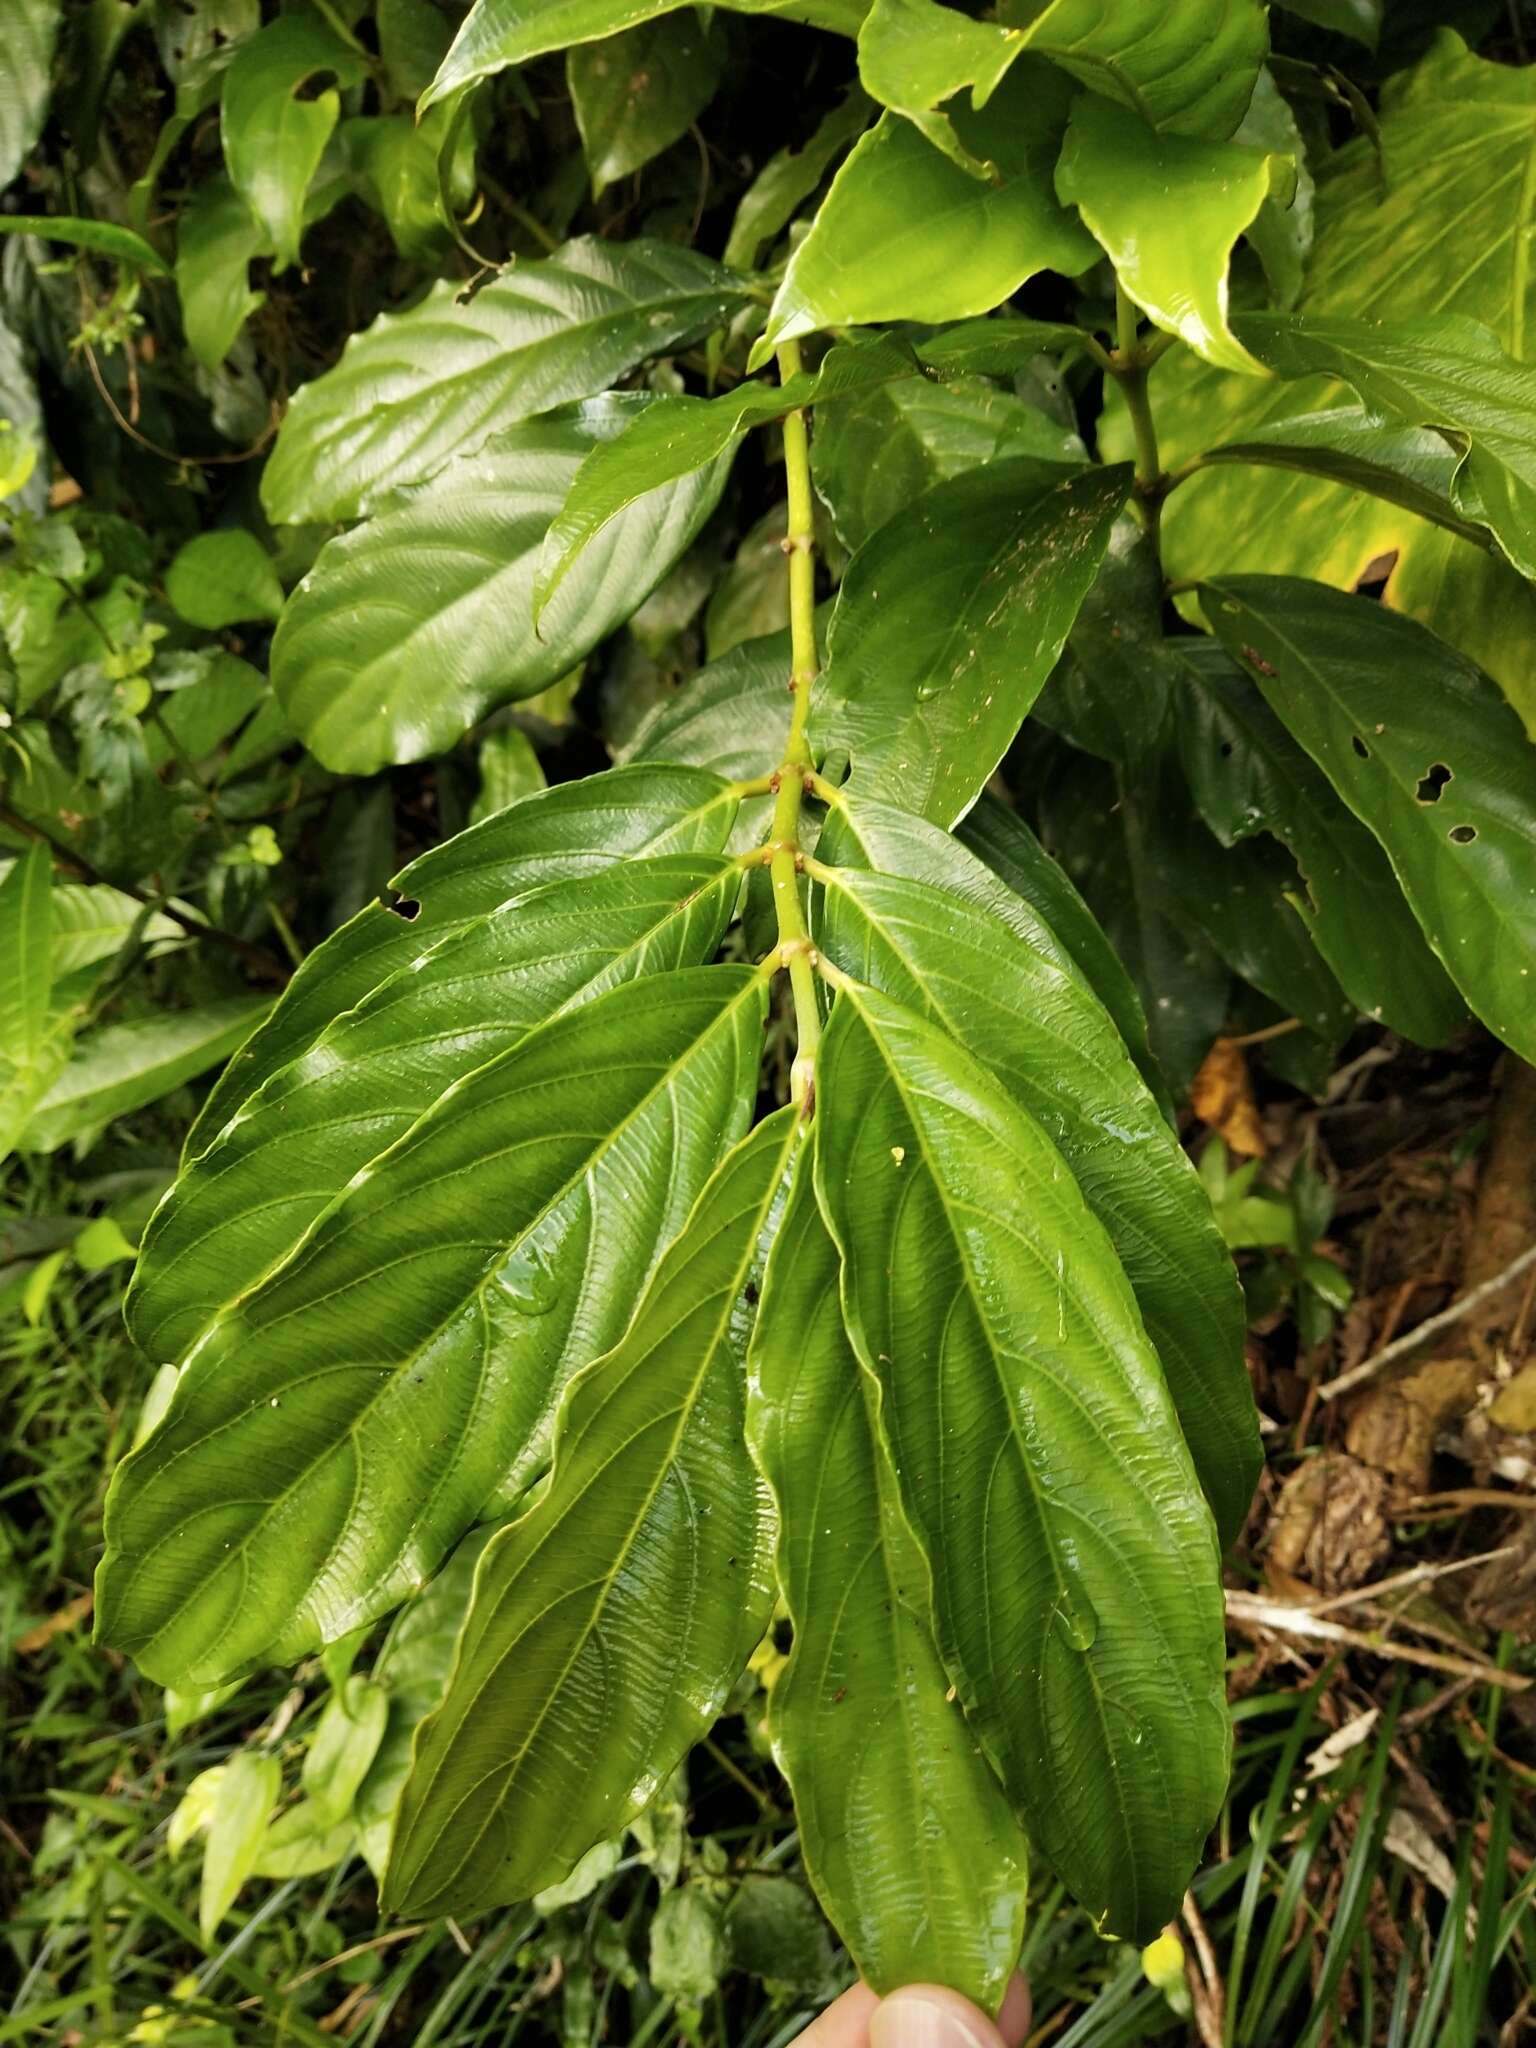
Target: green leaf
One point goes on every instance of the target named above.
(990, 980)
(996, 345)
(223, 578)
(729, 716)
(275, 126)
(1112, 690)
(874, 453)
(338, 1108)
(567, 1708)
(237, 1823)
(906, 234)
(1185, 66)
(1001, 838)
(674, 437)
(302, 1843)
(950, 620)
(777, 1935)
(789, 177)
(101, 237)
(217, 240)
(452, 1289)
(26, 956)
(1188, 68)
(1075, 1578)
(1168, 210)
(343, 1747)
(904, 1830)
(414, 625)
(1422, 747)
(418, 388)
(635, 93)
(125, 1067)
(1098, 827)
(557, 835)
(1282, 230)
(1453, 130)
(1358, 18)
(1443, 372)
(32, 29)
(497, 33)
(1248, 776)
(509, 771)
(395, 161)
(688, 1952)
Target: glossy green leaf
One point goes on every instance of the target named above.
(222, 578)
(1097, 825)
(236, 1824)
(452, 1289)
(125, 1067)
(418, 388)
(395, 161)
(904, 1830)
(1457, 133)
(874, 453)
(1358, 18)
(1443, 372)
(1422, 747)
(996, 345)
(1283, 229)
(1112, 691)
(675, 436)
(1247, 776)
(1075, 1587)
(32, 29)
(275, 123)
(26, 956)
(101, 237)
(343, 1746)
(91, 921)
(1000, 837)
(730, 717)
(509, 771)
(217, 240)
(414, 625)
(996, 985)
(906, 234)
(635, 93)
(949, 622)
(790, 176)
(557, 835)
(1168, 210)
(568, 1705)
(1188, 68)
(497, 33)
(338, 1108)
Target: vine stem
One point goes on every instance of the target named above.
(1130, 365)
(784, 855)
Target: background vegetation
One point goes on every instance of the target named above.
(1371, 1879)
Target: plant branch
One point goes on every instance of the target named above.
(789, 783)
(1369, 1367)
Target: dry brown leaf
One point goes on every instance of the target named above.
(1221, 1095)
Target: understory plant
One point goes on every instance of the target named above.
(736, 1191)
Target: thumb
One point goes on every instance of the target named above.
(928, 2016)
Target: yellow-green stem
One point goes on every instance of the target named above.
(795, 950)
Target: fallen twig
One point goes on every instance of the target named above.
(1369, 1367)
(1281, 1617)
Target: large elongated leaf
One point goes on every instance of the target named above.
(556, 835)
(875, 453)
(1457, 134)
(34, 1036)
(951, 619)
(274, 132)
(1423, 748)
(1188, 68)
(906, 234)
(1442, 372)
(415, 624)
(1248, 775)
(791, 175)
(1001, 838)
(1169, 209)
(1075, 1582)
(340, 1429)
(904, 1828)
(729, 717)
(497, 33)
(418, 388)
(1028, 1018)
(126, 1066)
(609, 1622)
(242, 1207)
(635, 93)
(677, 435)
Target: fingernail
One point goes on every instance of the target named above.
(911, 2019)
